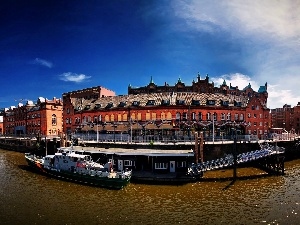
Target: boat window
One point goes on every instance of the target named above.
(127, 163)
(161, 165)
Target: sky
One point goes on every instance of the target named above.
(51, 47)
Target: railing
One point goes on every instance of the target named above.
(92, 137)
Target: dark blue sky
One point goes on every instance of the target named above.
(50, 47)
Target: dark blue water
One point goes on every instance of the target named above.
(29, 198)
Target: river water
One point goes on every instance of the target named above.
(29, 198)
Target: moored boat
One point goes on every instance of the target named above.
(79, 168)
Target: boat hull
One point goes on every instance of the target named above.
(105, 182)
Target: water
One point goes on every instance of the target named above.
(29, 198)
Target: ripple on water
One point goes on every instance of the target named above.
(36, 199)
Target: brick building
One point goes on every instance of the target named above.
(43, 117)
(1, 124)
(287, 117)
(169, 110)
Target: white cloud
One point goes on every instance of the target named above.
(266, 32)
(43, 62)
(260, 18)
(236, 79)
(276, 95)
(74, 77)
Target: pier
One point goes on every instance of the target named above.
(269, 158)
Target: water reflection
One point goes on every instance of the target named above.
(29, 198)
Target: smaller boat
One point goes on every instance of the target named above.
(79, 168)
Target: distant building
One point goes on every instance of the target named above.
(1, 125)
(178, 110)
(43, 117)
(287, 117)
(76, 102)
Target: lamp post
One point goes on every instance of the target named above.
(234, 153)
(114, 126)
(97, 132)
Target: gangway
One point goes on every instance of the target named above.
(228, 161)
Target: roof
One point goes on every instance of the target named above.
(131, 152)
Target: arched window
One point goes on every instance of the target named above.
(223, 116)
(54, 120)
(193, 116)
(242, 117)
(215, 116)
(178, 116)
(228, 116)
(200, 116)
(208, 116)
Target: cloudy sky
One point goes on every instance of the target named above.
(51, 47)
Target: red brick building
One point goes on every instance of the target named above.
(287, 117)
(168, 110)
(43, 117)
(1, 124)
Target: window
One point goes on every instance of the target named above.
(165, 102)
(181, 164)
(150, 102)
(178, 116)
(228, 116)
(200, 116)
(215, 116)
(195, 102)
(184, 116)
(68, 110)
(210, 102)
(241, 117)
(193, 116)
(236, 116)
(208, 116)
(223, 116)
(127, 163)
(161, 165)
(180, 102)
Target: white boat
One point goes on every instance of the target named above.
(79, 168)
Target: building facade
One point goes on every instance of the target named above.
(287, 118)
(42, 118)
(1, 124)
(166, 110)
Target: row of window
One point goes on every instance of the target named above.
(158, 165)
(164, 116)
(36, 122)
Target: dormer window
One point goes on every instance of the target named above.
(135, 103)
(210, 102)
(109, 105)
(195, 102)
(224, 103)
(97, 106)
(165, 102)
(237, 104)
(122, 104)
(180, 102)
(150, 102)
(87, 107)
